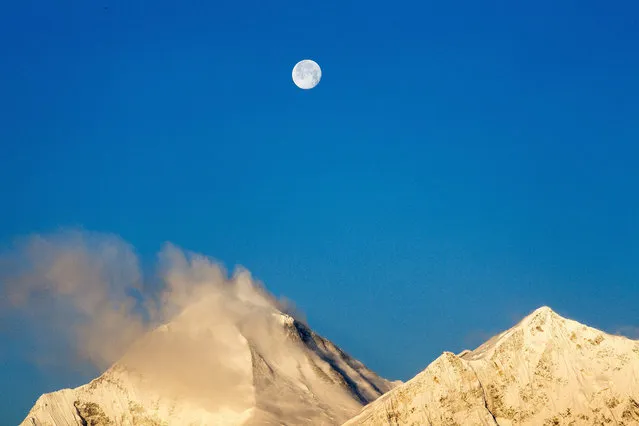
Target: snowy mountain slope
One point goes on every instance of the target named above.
(198, 370)
(546, 370)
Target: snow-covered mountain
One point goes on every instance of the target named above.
(200, 370)
(546, 370)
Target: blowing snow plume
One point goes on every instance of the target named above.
(86, 289)
(202, 348)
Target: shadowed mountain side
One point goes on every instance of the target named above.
(293, 377)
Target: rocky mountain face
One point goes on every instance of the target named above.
(198, 370)
(547, 370)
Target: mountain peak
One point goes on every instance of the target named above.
(543, 314)
(285, 319)
(543, 310)
(545, 370)
(275, 369)
(266, 368)
(533, 332)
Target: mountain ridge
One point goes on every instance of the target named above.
(302, 378)
(545, 370)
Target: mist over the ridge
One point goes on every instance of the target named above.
(87, 290)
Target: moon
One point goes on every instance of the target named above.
(306, 74)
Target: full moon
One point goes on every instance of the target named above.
(306, 74)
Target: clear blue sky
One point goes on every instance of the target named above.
(460, 164)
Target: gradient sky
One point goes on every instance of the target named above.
(458, 166)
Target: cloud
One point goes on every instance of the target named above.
(75, 287)
(85, 293)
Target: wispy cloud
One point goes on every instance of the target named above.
(86, 290)
(75, 287)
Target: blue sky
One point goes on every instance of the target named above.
(458, 166)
